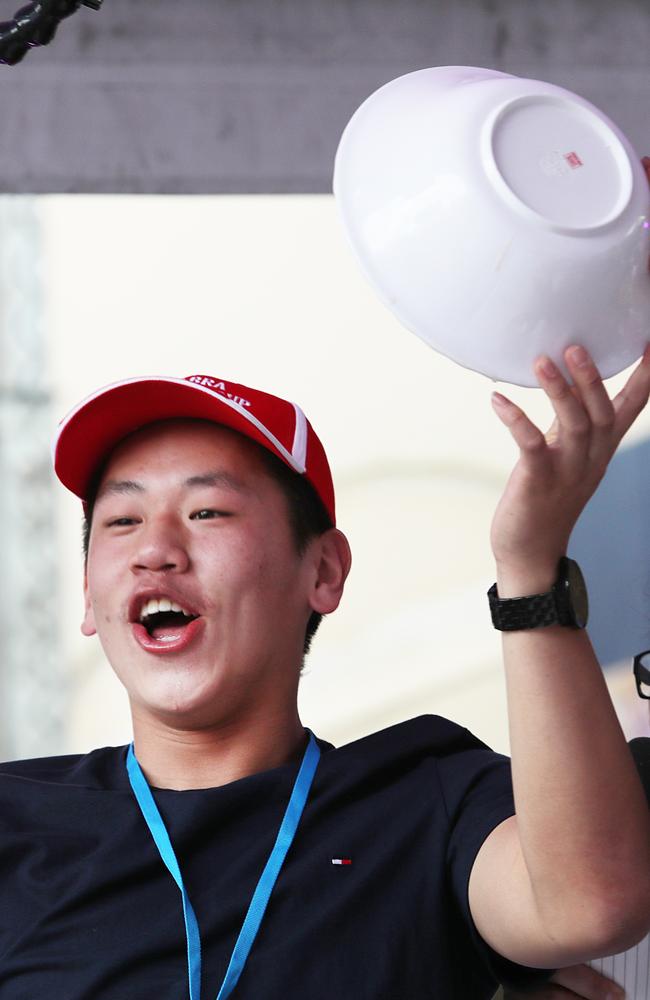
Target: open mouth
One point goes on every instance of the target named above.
(165, 620)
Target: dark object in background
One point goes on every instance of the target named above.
(640, 748)
(34, 25)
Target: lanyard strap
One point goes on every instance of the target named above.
(264, 887)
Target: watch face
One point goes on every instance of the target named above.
(576, 593)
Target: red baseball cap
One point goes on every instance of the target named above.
(88, 434)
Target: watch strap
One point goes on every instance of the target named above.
(514, 614)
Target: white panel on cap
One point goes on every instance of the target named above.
(299, 449)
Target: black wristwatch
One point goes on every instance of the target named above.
(566, 604)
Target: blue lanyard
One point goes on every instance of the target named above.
(264, 887)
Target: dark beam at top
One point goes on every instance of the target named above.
(252, 95)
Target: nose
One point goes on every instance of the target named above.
(161, 548)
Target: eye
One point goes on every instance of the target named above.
(121, 522)
(207, 514)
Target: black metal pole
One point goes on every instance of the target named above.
(34, 25)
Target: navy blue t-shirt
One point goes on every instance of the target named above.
(89, 912)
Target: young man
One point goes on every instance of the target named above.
(396, 867)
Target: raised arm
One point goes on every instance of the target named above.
(567, 878)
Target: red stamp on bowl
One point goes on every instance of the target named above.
(573, 160)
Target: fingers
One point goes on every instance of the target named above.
(549, 992)
(588, 424)
(645, 160)
(579, 982)
(634, 395)
(526, 435)
(583, 406)
(572, 417)
(646, 166)
(583, 981)
(589, 387)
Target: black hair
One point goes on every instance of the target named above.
(308, 516)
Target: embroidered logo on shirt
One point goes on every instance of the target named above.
(341, 861)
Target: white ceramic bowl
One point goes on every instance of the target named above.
(499, 218)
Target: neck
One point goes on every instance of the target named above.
(206, 758)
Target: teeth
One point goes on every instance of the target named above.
(154, 605)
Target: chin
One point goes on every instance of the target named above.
(183, 700)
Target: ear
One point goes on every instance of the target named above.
(88, 622)
(332, 563)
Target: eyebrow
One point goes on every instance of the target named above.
(114, 486)
(219, 478)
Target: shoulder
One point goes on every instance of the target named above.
(428, 748)
(425, 736)
(430, 769)
(99, 769)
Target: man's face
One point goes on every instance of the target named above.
(187, 515)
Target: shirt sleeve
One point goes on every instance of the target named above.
(476, 785)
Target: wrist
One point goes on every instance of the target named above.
(537, 576)
(523, 599)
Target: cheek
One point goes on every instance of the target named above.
(263, 574)
(280, 582)
(104, 614)
(277, 565)
(103, 580)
